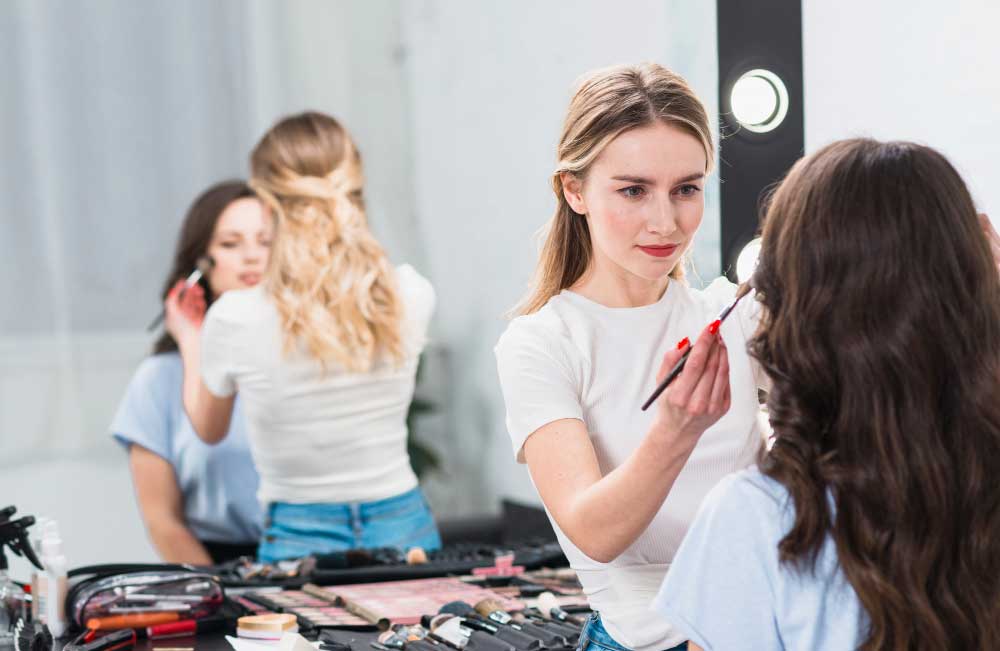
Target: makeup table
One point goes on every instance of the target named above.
(203, 642)
(341, 607)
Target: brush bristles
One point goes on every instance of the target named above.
(487, 606)
(205, 264)
(546, 602)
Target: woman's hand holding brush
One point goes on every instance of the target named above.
(185, 311)
(700, 395)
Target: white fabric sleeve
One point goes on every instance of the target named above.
(217, 341)
(719, 591)
(538, 381)
(420, 300)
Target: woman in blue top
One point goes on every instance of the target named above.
(874, 521)
(198, 501)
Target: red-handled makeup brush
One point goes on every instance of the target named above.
(741, 291)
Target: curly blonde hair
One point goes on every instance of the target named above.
(328, 276)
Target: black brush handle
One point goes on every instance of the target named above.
(163, 313)
(157, 321)
(742, 291)
(671, 376)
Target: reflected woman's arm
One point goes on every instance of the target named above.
(209, 414)
(161, 505)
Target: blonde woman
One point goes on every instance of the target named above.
(609, 314)
(323, 353)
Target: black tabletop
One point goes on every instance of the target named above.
(203, 642)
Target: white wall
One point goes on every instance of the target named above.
(489, 84)
(90, 494)
(916, 70)
(344, 58)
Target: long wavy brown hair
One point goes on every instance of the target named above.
(881, 334)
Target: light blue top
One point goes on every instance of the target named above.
(218, 483)
(726, 590)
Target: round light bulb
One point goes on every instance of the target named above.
(759, 100)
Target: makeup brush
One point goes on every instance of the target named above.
(492, 610)
(549, 604)
(471, 619)
(447, 629)
(393, 639)
(741, 291)
(456, 632)
(565, 630)
(205, 264)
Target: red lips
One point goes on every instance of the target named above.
(664, 251)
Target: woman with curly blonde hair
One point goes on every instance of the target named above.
(324, 354)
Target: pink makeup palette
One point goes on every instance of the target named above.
(312, 611)
(403, 602)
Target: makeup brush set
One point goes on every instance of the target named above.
(464, 626)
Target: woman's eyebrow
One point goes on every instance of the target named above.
(694, 176)
(634, 179)
(641, 180)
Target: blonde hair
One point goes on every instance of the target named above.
(606, 103)
(328, 276)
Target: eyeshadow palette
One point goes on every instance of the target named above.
(403, 602)
(312, 611)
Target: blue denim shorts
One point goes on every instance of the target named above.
(594, 637)
(296, 530)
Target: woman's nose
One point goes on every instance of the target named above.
(662, 221)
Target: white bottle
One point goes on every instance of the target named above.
(38, 595)
(51, 595)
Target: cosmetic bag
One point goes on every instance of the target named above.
(140, 595)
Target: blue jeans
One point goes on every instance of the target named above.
(594, 637)
(296, 530)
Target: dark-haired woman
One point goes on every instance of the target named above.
(874, 521)
(199, 502)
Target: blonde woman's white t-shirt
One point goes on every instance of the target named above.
(575, 358)
(316, 437)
